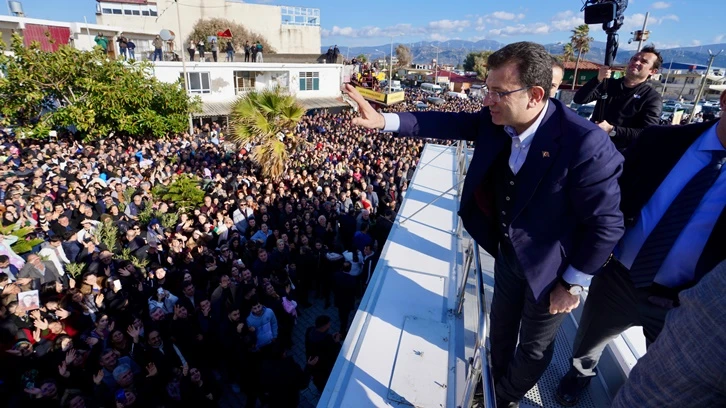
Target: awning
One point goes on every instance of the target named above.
(320, 103)
(211, 109)
(223, 108)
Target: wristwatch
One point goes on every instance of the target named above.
(574, 290)
(613, 132)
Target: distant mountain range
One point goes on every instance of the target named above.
(453, 52)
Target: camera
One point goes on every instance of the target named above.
(604, 11)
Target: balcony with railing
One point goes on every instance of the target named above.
(419, 337)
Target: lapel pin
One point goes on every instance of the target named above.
(545, 153)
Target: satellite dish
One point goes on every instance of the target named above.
(166, 35)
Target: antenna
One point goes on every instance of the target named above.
(16, 8)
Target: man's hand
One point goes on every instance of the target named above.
(561, 301)
(604, 125)
(369, 117)
(604, 73)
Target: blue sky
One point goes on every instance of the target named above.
(371, 22)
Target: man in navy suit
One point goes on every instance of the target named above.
(673, 198)
(541, 195)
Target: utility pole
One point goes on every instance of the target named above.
(184, 63)
(643, 35)
(711, 57)
(436, 67)
(670, 68)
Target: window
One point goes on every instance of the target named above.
(691, 91)
(106, 11)
(280, 79)
(145, 12)
(244, 81)
(198, 82)
(117, 11)
(153, 11)
(136, 12)
(127, 12)
(309, 81)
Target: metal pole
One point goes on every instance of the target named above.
(184, 63)
(88, 32)
(645, 23)
(711, 57)
(390, 69)
(670, 68)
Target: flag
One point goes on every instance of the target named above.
(224, 34)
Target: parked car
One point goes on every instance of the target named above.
(435, 100)
(586, 111)
(421, 105)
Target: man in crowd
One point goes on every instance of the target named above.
(673, 197)
(541, 196)
(632, 104)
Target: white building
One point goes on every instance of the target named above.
(79, 35)
(289, 30)
(220, 84)
(683, 81)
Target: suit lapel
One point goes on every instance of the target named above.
(542, 154)
(482, 161)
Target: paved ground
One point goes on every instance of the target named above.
(308, 397)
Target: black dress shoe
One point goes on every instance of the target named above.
(568, 392)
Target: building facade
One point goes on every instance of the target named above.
(220, 84)
(289, 30)
(682, 81)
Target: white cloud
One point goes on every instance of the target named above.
(437, 37)
(519, 29)
(480, 26)
(448, 25)
(440, 27)
(660, 5)
(503, 15)
(567, 20)
(719, 38)
(695, 43)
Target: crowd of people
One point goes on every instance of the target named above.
(177, 301)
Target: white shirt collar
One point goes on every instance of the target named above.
(524, 137)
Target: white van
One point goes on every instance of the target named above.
(457, 95)
(431, 88)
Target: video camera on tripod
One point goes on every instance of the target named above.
(609, 13)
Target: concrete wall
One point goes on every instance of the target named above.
(258, 18)
(221, 76)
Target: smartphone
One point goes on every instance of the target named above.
(117, 285)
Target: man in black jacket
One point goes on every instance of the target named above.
(673, 192)
(632, 104)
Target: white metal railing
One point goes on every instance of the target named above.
(479, 366)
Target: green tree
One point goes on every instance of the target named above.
(266, 120)
(477, 62)
(567, 52)
(403, 54)
(42, 91)
(205, 28)
(580, 41)
(184, 192)
(362, 58)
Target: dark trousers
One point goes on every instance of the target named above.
(247, 57)
(214, 56)
(517, 368)
(613, 305)
(191, 53)
(344, 317)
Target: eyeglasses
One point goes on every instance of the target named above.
(496, 97)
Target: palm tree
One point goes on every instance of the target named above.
(567, 52)
(267, 119)
(580, 41)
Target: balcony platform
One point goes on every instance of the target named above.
(407, 346)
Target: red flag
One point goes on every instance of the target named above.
(224, 34)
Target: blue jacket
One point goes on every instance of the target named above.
(567, 200)
(265, 327)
